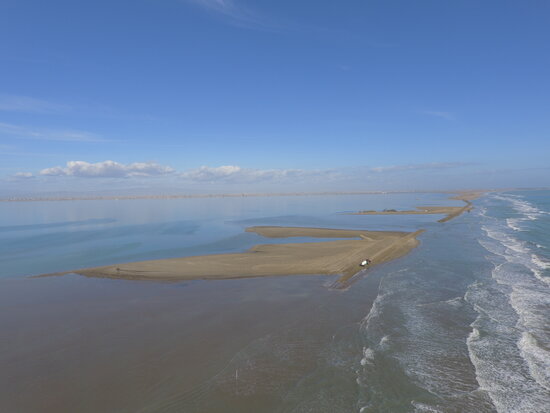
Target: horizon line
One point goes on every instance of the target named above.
(252, 194)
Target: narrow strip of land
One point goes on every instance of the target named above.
(468, 196)
(450, 211)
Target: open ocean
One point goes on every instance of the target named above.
(461, 324)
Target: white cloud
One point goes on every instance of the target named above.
(24, 132)
(14, 103)
(232, 173)
(225, 174)
(108, 169)
(205, 173)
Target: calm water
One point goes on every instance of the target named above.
(460, 324)
(42, 237)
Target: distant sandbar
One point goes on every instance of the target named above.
(450, 211)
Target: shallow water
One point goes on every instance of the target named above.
(459, 324)
(44, 237)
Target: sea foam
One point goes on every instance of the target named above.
(505, 341)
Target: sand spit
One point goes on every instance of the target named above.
(451, 212)
(468, 196)
(339, 257)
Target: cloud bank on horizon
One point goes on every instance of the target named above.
(150, 178)
(112, 169)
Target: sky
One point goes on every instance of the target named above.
(208, 96)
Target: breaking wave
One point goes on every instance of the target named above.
(509, 340)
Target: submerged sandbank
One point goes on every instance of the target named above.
(288, 232)
(339, 257)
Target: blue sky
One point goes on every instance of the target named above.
(240, 95)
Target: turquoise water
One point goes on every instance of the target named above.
(458, 325)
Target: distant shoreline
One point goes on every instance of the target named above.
(244, 195)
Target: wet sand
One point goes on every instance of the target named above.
(450, 211)
(288, 232)
(339, 257)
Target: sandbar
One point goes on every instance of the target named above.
(468, 195)
(450, 211)
(338, 257)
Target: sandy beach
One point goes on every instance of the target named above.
(339, 257)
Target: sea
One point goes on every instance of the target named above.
(460, 324)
